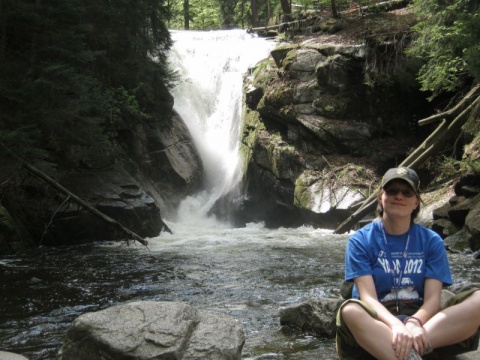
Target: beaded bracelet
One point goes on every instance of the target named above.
(413, 318)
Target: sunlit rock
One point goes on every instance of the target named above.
(153, 330)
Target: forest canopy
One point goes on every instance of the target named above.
(69, 70)
(448, 41)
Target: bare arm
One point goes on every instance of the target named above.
(402, 339)
(368, 294)
(431, 302)
(431, 305)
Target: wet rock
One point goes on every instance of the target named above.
(458, 213)
(470, 191)
(153, 330)
(115, 194)
(316, 316)
(441, 212)
(253, 96)
(155, 166)
(472, 223)
(458, 242)
(445, 227)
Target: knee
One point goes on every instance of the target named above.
(472, 304)
(352, 312)
(475, 297)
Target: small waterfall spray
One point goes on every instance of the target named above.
(209, 99)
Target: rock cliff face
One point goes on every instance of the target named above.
(151, 167)
(321, 127)
(317, 135)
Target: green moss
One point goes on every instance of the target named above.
(279, 96)
(6, 221)
(252, 125)
(280, 53)
(302, 197)
(289, 58)
(264, 73)
(332, 106)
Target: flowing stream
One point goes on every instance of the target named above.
(247, 273)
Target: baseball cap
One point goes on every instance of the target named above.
(402, 173)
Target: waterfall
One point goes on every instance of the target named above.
(208, 97)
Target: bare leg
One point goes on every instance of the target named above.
(456, 323)
(372, 335)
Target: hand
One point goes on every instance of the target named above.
(419, 336)
(402, 341)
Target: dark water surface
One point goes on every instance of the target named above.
(247, 273)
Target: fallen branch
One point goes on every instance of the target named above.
(472, 94)
(51, 219)
(42, 176)
(445, 131)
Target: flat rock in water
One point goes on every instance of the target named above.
(153, 330)
(4, 355)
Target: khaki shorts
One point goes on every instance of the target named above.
(348, 349)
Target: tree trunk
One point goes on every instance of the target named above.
(333, 4)
(186, 14)
(268, 13)
(287, 9)
(253, 4)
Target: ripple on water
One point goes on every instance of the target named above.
(247, 273)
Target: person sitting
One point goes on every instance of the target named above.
(398, 269)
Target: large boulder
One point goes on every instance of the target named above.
(318, 134)
(4, 355)
(153, 330)
(457, 221)
(472, 223)
(114, 193)
(315, 316)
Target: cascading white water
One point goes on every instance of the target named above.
(209, 99)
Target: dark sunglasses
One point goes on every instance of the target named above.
(407, 192)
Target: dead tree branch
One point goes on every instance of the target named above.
(445, 131)
(44, 177)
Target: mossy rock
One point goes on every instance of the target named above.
(280, 53)
(279, 97)
(6, 221)
(335, 107)
(264, 73)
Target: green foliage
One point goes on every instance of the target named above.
(69, 70)
(225, 14)
(227, 11)
(243, 12)
(448, 37)
(203, 14)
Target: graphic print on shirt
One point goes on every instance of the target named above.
(405, 290)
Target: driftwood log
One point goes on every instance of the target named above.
(451, 122)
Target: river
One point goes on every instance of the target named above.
(248, 273)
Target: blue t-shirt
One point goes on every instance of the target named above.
(426, 257)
